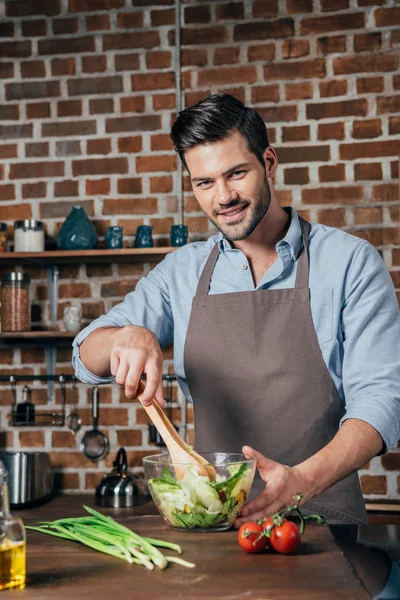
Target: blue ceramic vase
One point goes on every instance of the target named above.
(144, 238)
(113, 237)
(178, 235)
(77, 232)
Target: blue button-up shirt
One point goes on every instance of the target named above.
(353, 305)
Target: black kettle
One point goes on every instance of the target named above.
(119, 489)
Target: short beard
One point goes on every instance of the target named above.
(234, 232)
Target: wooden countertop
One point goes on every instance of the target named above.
(58, 569)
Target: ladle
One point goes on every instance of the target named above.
(178, 449)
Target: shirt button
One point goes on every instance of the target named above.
(244, 267)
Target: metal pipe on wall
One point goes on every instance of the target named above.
(179, 103)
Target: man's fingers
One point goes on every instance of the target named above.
(114, 363)
(159, 396)
(264, 463)
(121, 373)
(152, 388)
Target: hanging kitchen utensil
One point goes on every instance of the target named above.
(118, 489)
(94, 444)
(179, 451)
(74, 421)
(25, 410)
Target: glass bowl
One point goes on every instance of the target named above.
(187, 498)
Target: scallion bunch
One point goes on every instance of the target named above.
(106, 535)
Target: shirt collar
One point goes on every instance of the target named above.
(290, 245)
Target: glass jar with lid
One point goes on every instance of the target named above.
(3, 237)
(15, 302)
(28, 236)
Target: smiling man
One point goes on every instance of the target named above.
(286, 335)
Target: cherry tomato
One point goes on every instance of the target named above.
(285, 538)
(251, 538)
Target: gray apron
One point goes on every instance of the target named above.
(257, 377)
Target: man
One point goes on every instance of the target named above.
(286, 335)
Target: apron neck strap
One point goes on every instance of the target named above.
(302, 266)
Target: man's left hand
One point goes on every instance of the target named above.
(283, 483)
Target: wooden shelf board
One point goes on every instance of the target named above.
(85, 256)
(36, 335)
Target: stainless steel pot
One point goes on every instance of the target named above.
(119, 489)
(30, 479)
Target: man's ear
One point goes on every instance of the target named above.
(271, 162)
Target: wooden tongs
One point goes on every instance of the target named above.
(178, 449)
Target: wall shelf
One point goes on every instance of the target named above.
(100, 255)
(37, 335)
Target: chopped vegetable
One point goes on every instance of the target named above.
(196, 502)
(107, 535)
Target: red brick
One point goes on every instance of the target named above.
(373, 484)
(6, 70)
(261, 52)
(147, 164)
(99, 166)
(7, 192)
(66, 188)
(34, 190)
(15, 212)
(331, 131)
(161, 141)
(98, 146)
(31, 439)
(251, 31)
(97, 22)
(162, 17)
(370, 150)
(367, 129)
(75, 290)
(367, 171)
(387, 192)
(117, 289)
(101, 106)
(295, 48)
(387, 17)
(395, 38)
(131, 124)
(299, 91)
(92, 310)
(127, 62)
(36, 169)
(305, 69)
(34, 28)
(130, 144)
(366, 42)
(93, 5)
(276, 114)
(303, 154)
(127, 41)
(396, 257)
(193, 57)
(129, 226)
(15, 49)
(394, 125)
(72, 45)
(331, 173)
(33, 68)
(333, 195)
(368, 85)
(133, 185)
(164, 101)
(332, 45)
(69, 128)
(63, 66)
(37, 149)
(133, 104)
(336, 22)
(68, 148)
(345, 108)
(128, 206)
(296, 176)
(197, 14)
(34, 89)
(333, 217)
(394, 169)
(333, 5)
(15, 131)
(265, 93)
(388, 104)
(63, 439)
(265, 8)
(64, 26)
(69, 108)
(8, 151)
(196, 36)
(97, 187)
(128, 20)
(94, 64)
(227, 55)
(367, 216)
(336, 87)
(162, 225)
(230, 11)
(95, 85)
(9, 111)
(344, 65)
(296, 134)
(161, 185)
(129, 437)
(33, 7)
(158, 59)
(396, 82)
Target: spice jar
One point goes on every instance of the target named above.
(28, 236)
(15, 303)
(3, 237)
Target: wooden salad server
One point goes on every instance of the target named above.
(178, 449)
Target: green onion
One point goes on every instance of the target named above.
(106, 535)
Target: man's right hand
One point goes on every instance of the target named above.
(136, 352)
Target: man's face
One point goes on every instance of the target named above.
(230, 185)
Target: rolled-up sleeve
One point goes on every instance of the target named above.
(147, 306)
(371, 362)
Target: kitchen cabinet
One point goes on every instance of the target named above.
(59, 570)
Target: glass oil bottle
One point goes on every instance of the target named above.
(12, 541)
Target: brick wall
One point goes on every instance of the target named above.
(87, 101)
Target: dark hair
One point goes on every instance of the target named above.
(214, 119)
